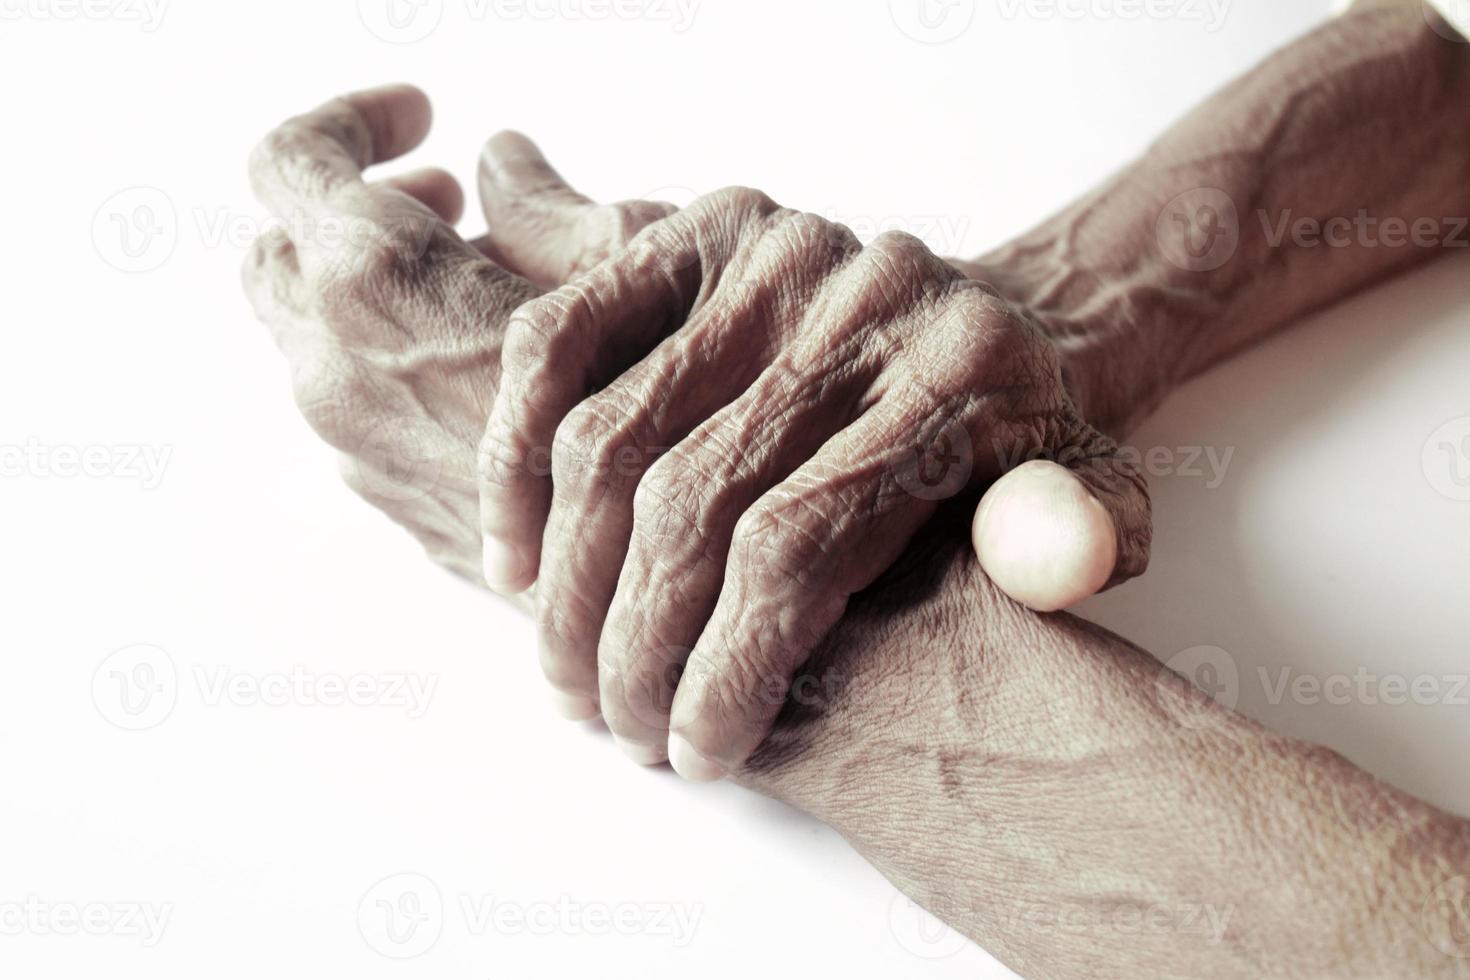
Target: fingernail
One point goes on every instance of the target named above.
(644, 755)
(503, 567)
(690, 764)
(574, 707)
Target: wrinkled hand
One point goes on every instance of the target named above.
(706, 444)
(391, 323)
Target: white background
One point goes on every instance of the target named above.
(1333, 542)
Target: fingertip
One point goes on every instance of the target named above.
(505, 567)
(574, 707)
(508, 156)
(689, 763)
(398, 116)
(644, 755)
(1043, 538)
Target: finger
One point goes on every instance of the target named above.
(307, 160)
(605, 447)
(557, 349)
(796, 557)
(608, 442)
(436, 189)
(687, 512)
(1051, 535)
(539, 226)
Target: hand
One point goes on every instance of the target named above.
(392, 324)
(777, 409)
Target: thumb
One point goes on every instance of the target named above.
(539, 226)
(1051, 535)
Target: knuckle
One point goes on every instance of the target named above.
(530, 336)
(594, 442)
(770, 546)
(899, 246)
(907, 259)
(742, 200)
(270, 257)
(660, 487)
(670, 505)
(896, 276)
(984, 338)
(818, 234)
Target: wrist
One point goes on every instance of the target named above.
(1094, 281)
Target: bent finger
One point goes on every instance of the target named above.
(308, 159)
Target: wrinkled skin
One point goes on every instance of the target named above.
(777, 410)
(1040, 784)
(400, 313)
(391, 323)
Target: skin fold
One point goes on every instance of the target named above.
(1042, 785)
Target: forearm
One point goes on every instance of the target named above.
(1048, 790)
(1346, 159)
